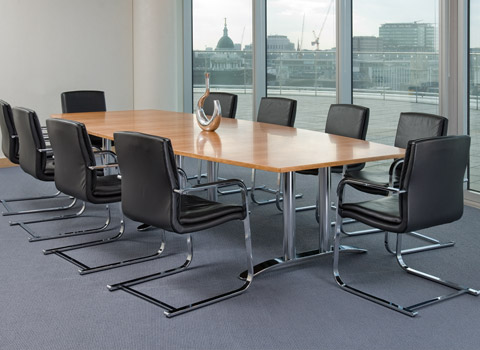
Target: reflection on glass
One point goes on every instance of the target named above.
(301, 60)
(474, 112)
(222, 46)
(395, 61)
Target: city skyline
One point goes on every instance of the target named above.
(285, 17)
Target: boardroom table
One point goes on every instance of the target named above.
(255, 145)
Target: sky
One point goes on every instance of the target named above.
(285, 17)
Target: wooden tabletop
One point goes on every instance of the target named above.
(239, 142)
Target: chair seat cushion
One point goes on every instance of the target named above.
(195, 210)
(385, 209)
(107, 186)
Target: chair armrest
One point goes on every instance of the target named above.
(104, 151)
(183, 178)
(218, 184)
(348, 181)
(393, 170)
(357, 183)
(103, 166)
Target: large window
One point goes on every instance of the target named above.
(222, 46)
(301, 57)
(395, 61)
(474, 88)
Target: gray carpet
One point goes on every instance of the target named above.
(46, 304)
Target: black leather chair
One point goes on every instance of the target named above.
(411, 126)
(151, 193)
(279, 111)
(429, 194)
(84, 101)
(34, 158)
(10, 148)
(76, 176)
(344, 120)
(9, 134)
(228, 103)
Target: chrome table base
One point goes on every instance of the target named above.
(299, 258)
(290, 256)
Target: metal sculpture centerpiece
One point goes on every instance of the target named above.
(206, 122)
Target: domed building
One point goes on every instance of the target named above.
(226, 64)
(225, 43)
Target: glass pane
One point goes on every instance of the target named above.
(222, 46)
(395, 61)
(474, 113)
(301, 57)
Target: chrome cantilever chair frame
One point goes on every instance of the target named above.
(72, 146)
(406, 310)
(10, 149)
(440, 130)
(171, 311)
(34, 237)
(412, 309)
(85, 269)
(434, 243)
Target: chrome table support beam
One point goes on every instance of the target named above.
(288, 216)
(324, 208)
(212, 175)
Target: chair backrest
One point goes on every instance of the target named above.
(30, 140)
(83, 101)
(433, 176)
(277, 110)
(348, 120)
(413, 126)
(149, 178)
(9, 133)
(73, 155)
(228, 103)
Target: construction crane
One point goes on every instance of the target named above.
(241, 41)
(316, 41)
(300, 42)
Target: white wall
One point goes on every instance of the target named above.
(131, 49)
(50, 46)
(158, 58)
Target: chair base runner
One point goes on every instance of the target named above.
(35, 238)
(436, 244)
(10, 212)
(409, 310)
(171, 311)
(85, 269)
